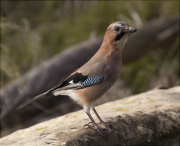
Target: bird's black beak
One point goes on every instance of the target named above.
(131, 30)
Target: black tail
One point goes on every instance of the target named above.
(36, 98)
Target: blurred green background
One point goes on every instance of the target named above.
(34, 31)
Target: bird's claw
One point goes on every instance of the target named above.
(100, 131)
(87, 125)
(106, 124)
(96, 128)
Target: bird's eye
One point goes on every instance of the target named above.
(116, 28)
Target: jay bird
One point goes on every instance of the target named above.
(88, 83)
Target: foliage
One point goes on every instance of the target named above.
(34, 31)
(157, 69)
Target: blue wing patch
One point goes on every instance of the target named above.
(90, 81)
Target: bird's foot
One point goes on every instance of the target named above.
(88, 124)
(106, 124)
(93, 126)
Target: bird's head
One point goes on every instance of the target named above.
(117, 34)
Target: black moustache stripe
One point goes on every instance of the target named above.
(119, 36)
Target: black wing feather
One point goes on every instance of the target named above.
(76, 78)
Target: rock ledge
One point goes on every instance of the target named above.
(136, 119)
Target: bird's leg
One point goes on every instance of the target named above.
(94, 126)
(101, 121)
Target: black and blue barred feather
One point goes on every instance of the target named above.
(90, 81)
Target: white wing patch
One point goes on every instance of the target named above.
(71, 82)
